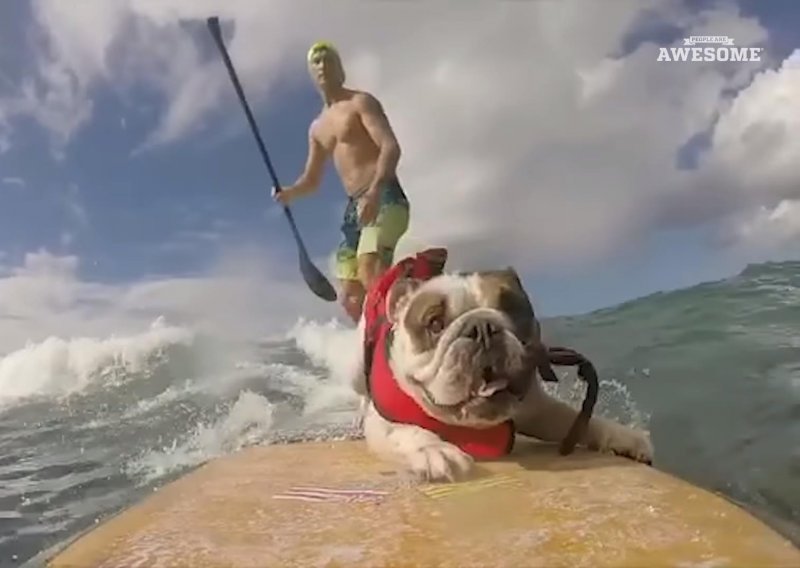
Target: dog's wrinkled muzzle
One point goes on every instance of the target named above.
(482, 331)
(491, 344)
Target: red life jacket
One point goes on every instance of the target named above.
(389, 399)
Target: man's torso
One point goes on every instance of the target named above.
(341, 132)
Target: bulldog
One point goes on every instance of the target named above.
(451, 371)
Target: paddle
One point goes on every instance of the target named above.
(315, 280)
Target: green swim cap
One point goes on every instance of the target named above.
(321, 45)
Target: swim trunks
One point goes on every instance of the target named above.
(380, 236)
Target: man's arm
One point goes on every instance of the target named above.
(309, 180)
(378, 127)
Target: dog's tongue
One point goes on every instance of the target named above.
(488, 388)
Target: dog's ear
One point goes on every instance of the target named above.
(509, 295)
(511, 277)
(398, 296)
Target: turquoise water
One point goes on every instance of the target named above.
(717, 369)
(713, 371)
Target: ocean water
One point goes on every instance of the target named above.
(89, 425)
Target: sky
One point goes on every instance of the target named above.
(539, 135)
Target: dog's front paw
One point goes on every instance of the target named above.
(627, 442)
(439, 462)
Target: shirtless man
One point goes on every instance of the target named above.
(353, 129)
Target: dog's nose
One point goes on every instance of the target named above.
(482, 332)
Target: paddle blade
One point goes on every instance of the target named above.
(315, 280)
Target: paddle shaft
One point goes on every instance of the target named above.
(216, 32)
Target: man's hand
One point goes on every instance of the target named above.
(368, 207)
(284, 196)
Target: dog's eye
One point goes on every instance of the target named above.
(435, 323)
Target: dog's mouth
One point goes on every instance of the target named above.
(496, 384)
(491, 384)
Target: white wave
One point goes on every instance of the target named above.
(286, 378)
(252, 417)
(333, 346)
(171, 394)
(330, 344)
(614, 401)
(57, 367)
(246, 422)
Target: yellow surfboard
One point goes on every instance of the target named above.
(334, 504)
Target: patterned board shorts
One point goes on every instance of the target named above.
(380, 236)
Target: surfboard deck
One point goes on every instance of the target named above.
(334, 504)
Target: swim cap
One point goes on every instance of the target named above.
(333, 58)
(321, 45)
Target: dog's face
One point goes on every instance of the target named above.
(464, 344)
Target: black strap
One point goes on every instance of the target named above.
(586, 371)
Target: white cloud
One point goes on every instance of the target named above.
(524, 135)
(768, 229)
(71, 57)
(756, 139)
(74, 207)
(245, 296)
(13, 180)
(5, 135)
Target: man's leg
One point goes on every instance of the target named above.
(379, 240)
(370, 266)
(351, 290)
